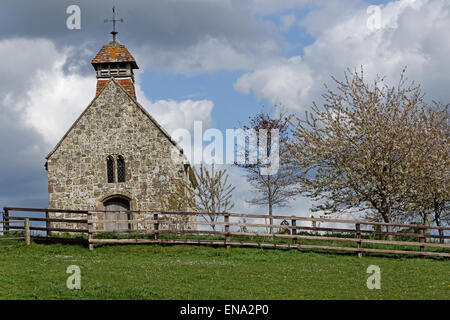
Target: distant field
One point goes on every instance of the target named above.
(202, 272)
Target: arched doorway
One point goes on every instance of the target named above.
(115, 205)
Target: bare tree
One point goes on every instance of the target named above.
(276, 188)
(213, 193)
(181, 199)
(357, 150)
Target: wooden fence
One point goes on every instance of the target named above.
(232, 229)
(25, 230)
(42, 233)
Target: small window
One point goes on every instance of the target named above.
(110, 169)
(120, 169)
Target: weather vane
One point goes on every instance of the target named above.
(114, 20)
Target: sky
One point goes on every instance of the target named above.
(216, 61)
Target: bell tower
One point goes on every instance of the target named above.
(114, 60)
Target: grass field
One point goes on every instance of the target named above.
(203, 272)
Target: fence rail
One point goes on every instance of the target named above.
(25, 230)
(293, 233)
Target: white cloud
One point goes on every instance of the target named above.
(189, 36)
(286, 82)
(330, 13)
(56, 101)
(274, 6)
(287, 21)
(172, 114)
(348, 43)
(21, 60)
(51, 99)
(47, 99)
(208, 54)
(181, 114)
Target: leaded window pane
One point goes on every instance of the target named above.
(110, 169)
(120, 169)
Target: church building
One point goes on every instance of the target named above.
(115, 156)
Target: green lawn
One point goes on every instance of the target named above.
(202, 272)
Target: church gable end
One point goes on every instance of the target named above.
(113, 125)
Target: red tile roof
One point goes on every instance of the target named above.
(127, 84)
(114, 53)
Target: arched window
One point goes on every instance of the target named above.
(120, 169)
(110, 169)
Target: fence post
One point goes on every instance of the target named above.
(358, 236)
(294, 231)
(156, 226)
(5, 221)
(90, 233)
(227, 230)
(47, 223)
(27, 231)
(314, 224)
(441, 236)
(421, 240)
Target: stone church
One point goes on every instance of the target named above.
(115, 156)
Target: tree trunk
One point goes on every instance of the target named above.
(270, 215)
(387, 219)
(269, 187)
(438, 223)
(385, 210)
(213, 220)
(427, 223)
(441, 235)
(389, 229)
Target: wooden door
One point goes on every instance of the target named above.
(117, 206)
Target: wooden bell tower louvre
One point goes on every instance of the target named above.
(114, 60)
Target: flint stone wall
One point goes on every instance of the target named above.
(112, 125)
